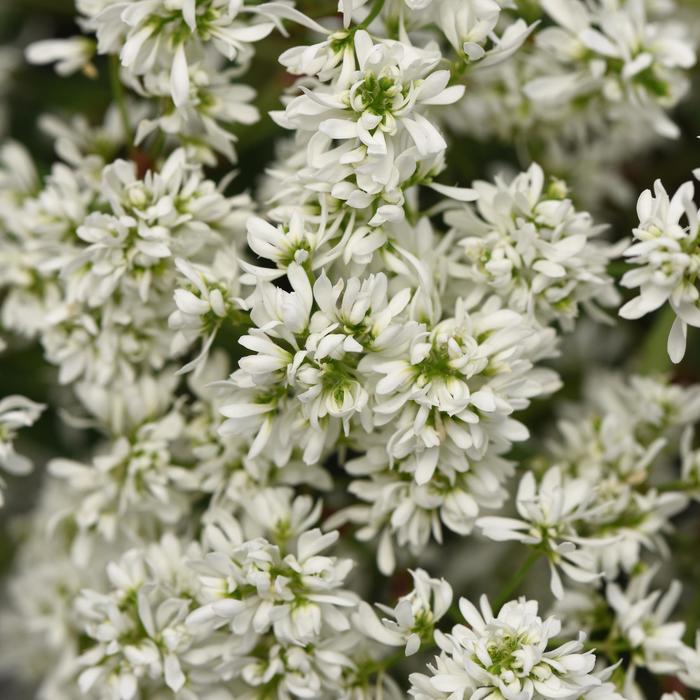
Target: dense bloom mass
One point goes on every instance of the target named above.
(526, 242)
(292, 420)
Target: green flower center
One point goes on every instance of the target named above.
(502, 652)
(377, 94)
(435, 366)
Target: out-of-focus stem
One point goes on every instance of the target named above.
(373, 14)
(119, 99)
(514, 583)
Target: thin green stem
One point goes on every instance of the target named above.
(389, 661)
(514, 583)
(506, 592)
(373, 14)
(158, 145)
(458, 68)
(411, 215)
(119, 98)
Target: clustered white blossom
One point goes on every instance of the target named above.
(570, 95)
(599, 504)
(665, 255)
(506, 655)
(603, 504)
(287, 416)
(529, 245)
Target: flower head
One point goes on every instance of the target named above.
(506, 655)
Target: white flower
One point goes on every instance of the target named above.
(253, 587)
(103, 240)
(214, 104)
(305, 367)
(528, 244)
(122, 411)
(16, 412)
(39, 624)
(374, 112)
(138, 625)
(84, 145)
(18, 178)
(277, 514)
(459, 383)
(471, 29)
(414, 616)
(612, 50)
(469, 26)
(642, 619)
(129, 484)
(618, 445)
(281, 246)
(507, 656)
(690, 675)
(171, 211)
(209, 299)
(550, 514)
(360, 309)
(365, 340)
(262, 407)
(347, 7)
(153, 34)
(396, 508)
(70, 55)
(666, 255)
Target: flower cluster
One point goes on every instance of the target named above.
(297, 410)
(140, 641)
(638, 626)
(528, 244)
(507, 655)
(569, 96)
(665, 254)
(182, 56)
(604, 499)
(92, 253)
(611, 53)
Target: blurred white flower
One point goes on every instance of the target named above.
(641, 619)
(16, 412)
(612, 49)
(69, 55)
